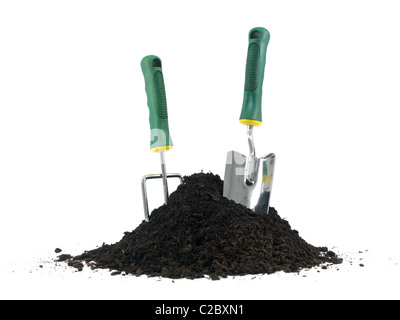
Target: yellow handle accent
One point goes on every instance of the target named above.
(249, 122)
(161, 149)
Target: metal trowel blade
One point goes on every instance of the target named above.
(235, 187)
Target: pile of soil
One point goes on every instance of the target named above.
(200, 232)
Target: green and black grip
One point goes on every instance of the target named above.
(157, 103)
(251, 114)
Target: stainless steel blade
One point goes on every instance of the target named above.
(267, 174)
(236, 188)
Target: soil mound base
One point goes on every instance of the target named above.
(200, 233)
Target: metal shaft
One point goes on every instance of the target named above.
(251, 163)
(251, 141)
(164, 177)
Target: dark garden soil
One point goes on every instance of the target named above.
(200, 233)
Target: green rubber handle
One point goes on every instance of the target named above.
(157, 103)
(255, 65)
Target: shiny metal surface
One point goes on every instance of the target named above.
(236, 188)
(252, 163)
(164, 177)
(266, 179)
(144, 189)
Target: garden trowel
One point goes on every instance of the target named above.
(242, 173)
(160, 138)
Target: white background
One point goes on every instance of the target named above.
(74, 134)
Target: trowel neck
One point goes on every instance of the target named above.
(251, 141)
